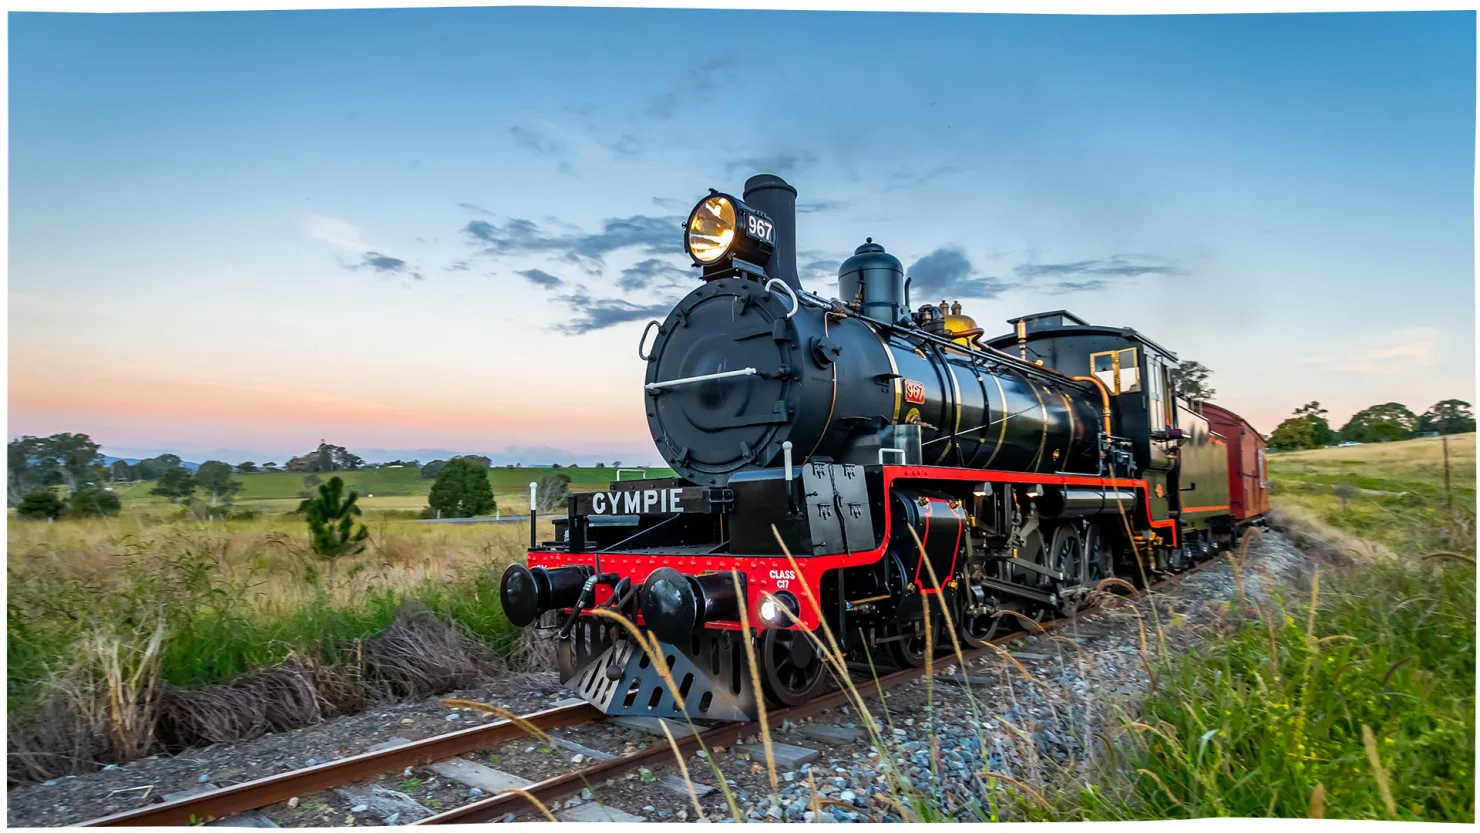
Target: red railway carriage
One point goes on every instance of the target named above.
(1248, 489)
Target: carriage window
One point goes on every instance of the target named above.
(1103, 366)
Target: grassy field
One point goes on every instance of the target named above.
(191, 603)
(1388, 496)
(395, 489)
(1352, 698)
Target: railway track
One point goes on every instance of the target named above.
(242, 798)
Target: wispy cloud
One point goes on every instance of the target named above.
(648, 235)
(694, 84)
(531, 138)
(947, 272)
(1092, 275)
(385, 265)
(910, 176)
(773, 163)
(1396, 352)
(541, 278)
(600, 313)
(818, 206)
(819, 269)
(341, 233)
(654, 274)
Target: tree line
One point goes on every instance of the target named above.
(1388, 422)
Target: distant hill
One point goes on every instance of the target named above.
(108, 461)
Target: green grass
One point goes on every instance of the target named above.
(1262, 720)
(402, 488)
(1353, 697)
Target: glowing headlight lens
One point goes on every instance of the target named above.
(711, 229)
(770, 612)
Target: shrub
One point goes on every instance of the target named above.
(93, 502)
(40, 504)
(552, 492)
(461, 491)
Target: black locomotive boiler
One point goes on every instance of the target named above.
(852, 461)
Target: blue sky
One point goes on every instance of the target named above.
(445, 228)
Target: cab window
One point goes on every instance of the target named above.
(1103, 366)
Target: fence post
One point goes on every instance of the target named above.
(533, 486)
(1448, 495)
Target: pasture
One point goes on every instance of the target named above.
(399, 489)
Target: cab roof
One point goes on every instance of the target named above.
(1062, 322)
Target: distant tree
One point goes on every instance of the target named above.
(554, 465)
(310, 482)
(461, 491)
(331, 517)
(214, 477)
(246, 468)
(1452, 416)
(30, 467)
(77, 456)
(1380, 424)
(36, 462)
(120, 471)
(340, 459)
(175, 485)
(154, 468)
(40, 504)
(1192, 382)
(601, 465)
(1316, 414)
(93, 502)
(149, 469)
(551, 493)
(617, 464)
(271, 466)
(476, 459)
(432, 469)
(1294, 433)
(302, 464)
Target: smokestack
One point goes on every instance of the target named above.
(772, 194)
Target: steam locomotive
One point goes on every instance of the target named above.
(846, 463)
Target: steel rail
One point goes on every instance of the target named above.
(560, 786)
(250, 795)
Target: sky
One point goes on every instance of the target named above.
(234, 234)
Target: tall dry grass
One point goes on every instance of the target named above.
(112, 622)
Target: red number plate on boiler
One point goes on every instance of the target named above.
(914, 391)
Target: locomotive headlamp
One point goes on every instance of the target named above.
(773, 609)
(722, 228)
(711, 228)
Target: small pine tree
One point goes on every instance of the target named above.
(40, 504)
(331, 522)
